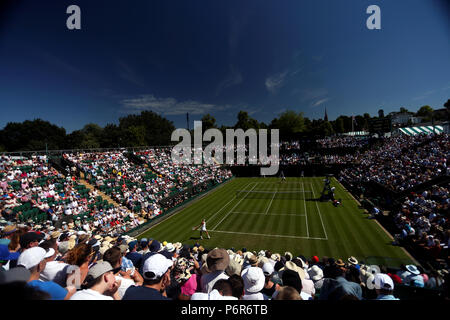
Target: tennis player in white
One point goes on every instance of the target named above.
(203, 229)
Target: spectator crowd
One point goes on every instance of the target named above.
(61, 265)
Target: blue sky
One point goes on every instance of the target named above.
(220, 57)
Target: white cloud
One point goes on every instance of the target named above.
(167, 106)
(319, 102)
(276, 81)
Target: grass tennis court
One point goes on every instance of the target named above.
(264, 214)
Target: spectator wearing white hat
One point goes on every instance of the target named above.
(254, 280)
(33, 259)
(384, 286)
(269, 286)
(156, 274)
(316, 275)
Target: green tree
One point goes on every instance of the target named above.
(32, 135)
(339, 125)
(426, 112)
(208, 122)
(158, 130)
(245, 122)
(135, 136)
(289, 123)
(403, 110)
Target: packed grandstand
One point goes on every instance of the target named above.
(80, 209)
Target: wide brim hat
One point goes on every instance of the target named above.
(340, 263)
(234, 267)
(352, 260)
(254, 279)
(292, 266)
(412, 269)
(315, 273)
(218, 260)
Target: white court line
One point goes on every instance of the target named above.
(256, 183)
(271, 214)
(229, 202)
(306, 213)
(268, 235)
(312, 187)
(267, 210)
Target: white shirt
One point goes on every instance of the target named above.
(213, 295)
(89, 294)
(208, 280)
(124, 285)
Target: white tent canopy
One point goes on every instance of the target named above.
(412, 131)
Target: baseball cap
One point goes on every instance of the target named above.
(49, 253)
(99, 269)
(383, 281)
(31, 257)
(132, 244)
(155, 266)
(28, 238)
(155, 246)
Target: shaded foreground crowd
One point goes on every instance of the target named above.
(78, 266)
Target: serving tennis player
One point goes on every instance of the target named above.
(202, 227)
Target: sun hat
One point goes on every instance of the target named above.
(275, 257)
(169, 247)
(9, 229)
(181, 270)
(31, 257)
(412, 269)
(234, 267)
(315, 273)
(217, 260)
(352, 260)
(268, 269)
(156, 266)
(252, 260)
(262, 261)
(383, 281)
(254, 279)
(123, 248)
(288, 254)
(292, 266)
(340, 263)
(5, 254)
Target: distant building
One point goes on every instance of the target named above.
(404, 118)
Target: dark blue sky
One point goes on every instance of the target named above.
(220, 57)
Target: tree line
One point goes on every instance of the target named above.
(151, 129)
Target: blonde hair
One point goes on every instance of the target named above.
(288, 293)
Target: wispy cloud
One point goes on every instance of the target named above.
(127, 73)
(232, 79)
(314, 97)
(276, 82)
(319, 102)
(168, 106)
